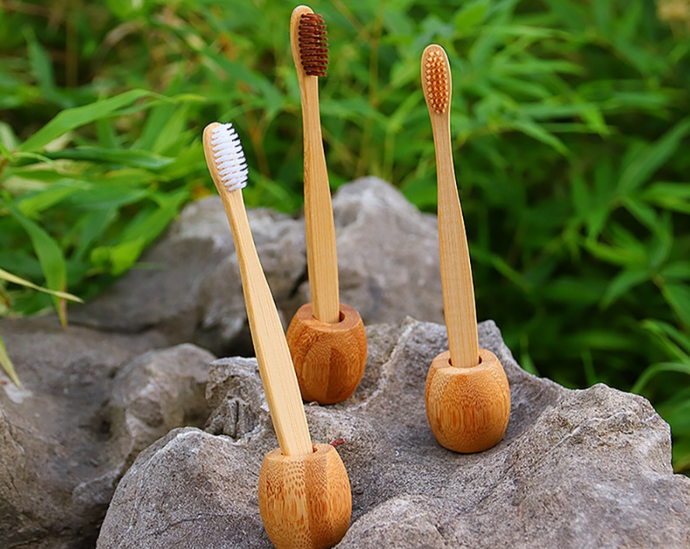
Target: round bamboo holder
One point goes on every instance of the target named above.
(467, 408)
(329, 359)
(305, 501)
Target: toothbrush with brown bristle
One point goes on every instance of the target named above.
(327, 338)
(456, 272)
(304, 490)
(310, 52)
(467, 393)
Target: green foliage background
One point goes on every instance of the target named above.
(571, 121)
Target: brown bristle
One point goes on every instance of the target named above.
(313, 44)
(436, 81)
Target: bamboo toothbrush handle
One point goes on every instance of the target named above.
(322, 258)
(456, 271)
(275, 365)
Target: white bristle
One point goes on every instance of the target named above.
(229, 157)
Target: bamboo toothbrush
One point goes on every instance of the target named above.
(327, 339)
(310, 53)
(304, 490)
(467, 393)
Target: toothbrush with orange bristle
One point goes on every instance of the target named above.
(327, 339)
(467, 393)
(304, 490)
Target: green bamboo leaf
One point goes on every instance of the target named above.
(672, 340)
(678, 297)
(652, 158)
(157, 118)
(655, 369)
(106, 134)
(602, 14)
(5, 152)
(581, 196)
(41, 67)
(470, 16)
(622, 283)
(490, 40)
(8, 140)
(7, 365)
(608, 340)
(628, 242)
(31, 205)
(677, 269)
(519, 86)
(14, 279)
(630, 21)
(571, 290)
(49, 255)
(149, 224)
(124, 255)
(672, 196)
(644, 213)
(540, 134)
(70, 119)
(611, 254)
(145, 227)
(535, 67)
(676, 411)
(107, 195)
(129, 157)
(93, 226)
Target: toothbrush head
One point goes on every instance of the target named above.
(313, 44)
(436, 79)
(225, 157)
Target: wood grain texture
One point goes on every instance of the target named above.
(305, 502)
(329, 359)
(272, 353)
(322, 260)
(468, 408)
(456, 270)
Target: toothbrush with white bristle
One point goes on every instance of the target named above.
(304, 492)
(226, 162)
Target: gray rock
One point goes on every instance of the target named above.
(387, 249)
(155, 393)
(588, 468)
(210, 484)
(59, 458)
(188, 286)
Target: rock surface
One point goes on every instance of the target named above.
(191, 290)
(576, 469)
(387, 249)
(90, 402)
(588, 467)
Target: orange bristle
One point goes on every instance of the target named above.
(313, 44)
(436, 81)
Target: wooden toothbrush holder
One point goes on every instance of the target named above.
(467, 408)
(329, 359)
(305, 501)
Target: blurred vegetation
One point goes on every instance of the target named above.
(570, 117)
